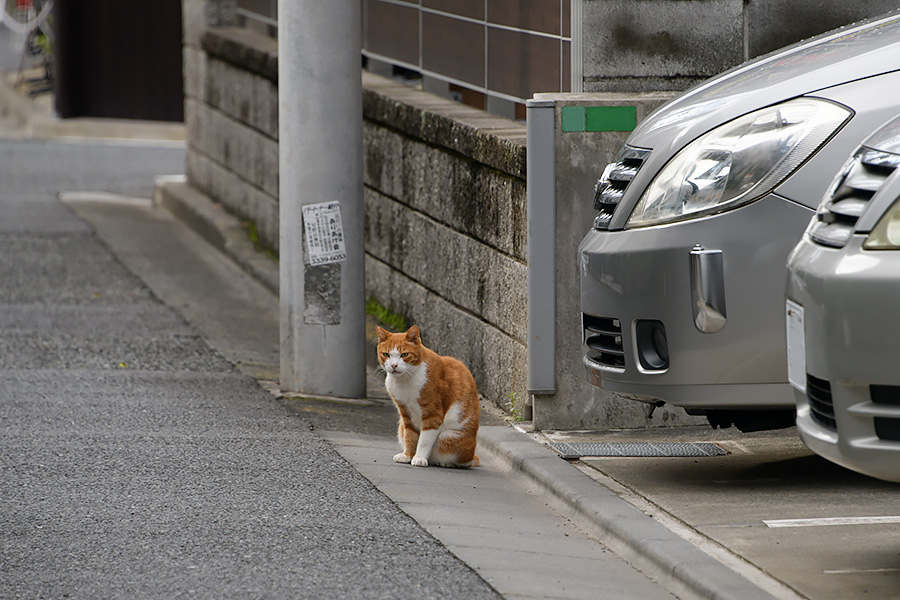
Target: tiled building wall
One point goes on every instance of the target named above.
(507, 48)
(512, 49)
(654, 45)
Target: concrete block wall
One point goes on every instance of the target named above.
(444, 197)
(231, 122)
(655, 45)
(445, 227)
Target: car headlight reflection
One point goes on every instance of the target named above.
(738, 162)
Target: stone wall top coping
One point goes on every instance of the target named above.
(492, 140)
(243, 48)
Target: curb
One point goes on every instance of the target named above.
(224, 231)
(681, 567)
(217, 226)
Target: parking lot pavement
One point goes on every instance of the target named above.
(770, 503)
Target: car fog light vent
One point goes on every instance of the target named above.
(887, 429)
(603, 341)
(818, 394)
(652, 344)
(885, 394)
(576, 450)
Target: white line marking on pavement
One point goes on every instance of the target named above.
(851, 571)
(104, 198)
(130, 142)
(830, 521)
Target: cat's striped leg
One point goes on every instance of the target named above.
(409, 439)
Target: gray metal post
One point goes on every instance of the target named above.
(541, 205)
(320, 194)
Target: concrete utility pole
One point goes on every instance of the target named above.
(320, 189)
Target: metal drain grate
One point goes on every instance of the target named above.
(573, 451)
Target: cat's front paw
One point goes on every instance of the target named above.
(419, 461)
(401, 458)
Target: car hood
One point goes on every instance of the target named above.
(851, 53)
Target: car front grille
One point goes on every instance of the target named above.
(610, 188)
(818, 394)
(603, 341)
(849, 195)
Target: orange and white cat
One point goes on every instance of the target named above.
(436, 398)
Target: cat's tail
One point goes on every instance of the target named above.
(476, 461)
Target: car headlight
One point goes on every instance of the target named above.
(738, 162)
(886, 233)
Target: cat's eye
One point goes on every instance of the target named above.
(385, 354)
(404, 354)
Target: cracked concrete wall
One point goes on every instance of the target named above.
(655, 45)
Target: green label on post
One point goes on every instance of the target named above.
(599, 118)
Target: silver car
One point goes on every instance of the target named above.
(842, 314)
(682, 274)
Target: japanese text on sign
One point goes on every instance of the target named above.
(324, 233)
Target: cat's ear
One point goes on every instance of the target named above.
(412, 335)
(382, 333)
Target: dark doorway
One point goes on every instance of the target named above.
(119, 59)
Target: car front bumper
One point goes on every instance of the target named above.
(850, 410)
(633, 277)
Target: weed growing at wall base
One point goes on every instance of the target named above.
(393, 321)
(253, 235)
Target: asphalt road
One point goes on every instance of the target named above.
(135, 461)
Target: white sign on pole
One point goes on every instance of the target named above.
(324, 233)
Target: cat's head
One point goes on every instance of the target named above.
(399, 352)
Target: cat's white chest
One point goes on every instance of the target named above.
(405, 389)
